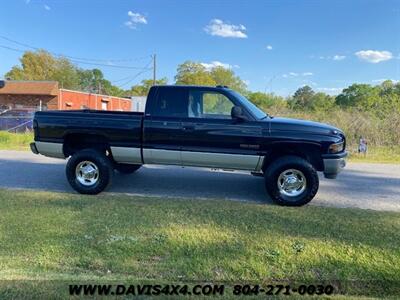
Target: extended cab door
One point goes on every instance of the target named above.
(211, 138)
(162, 131)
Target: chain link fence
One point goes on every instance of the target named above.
(17, 119)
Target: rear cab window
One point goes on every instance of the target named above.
(170, 102)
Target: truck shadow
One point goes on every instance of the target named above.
(164, 181)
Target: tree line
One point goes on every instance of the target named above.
(360, 109)
(41, 65)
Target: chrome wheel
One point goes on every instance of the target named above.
(87, 173)
(291, 182)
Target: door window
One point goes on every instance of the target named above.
(209, 105)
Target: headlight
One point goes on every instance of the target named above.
(336, 148)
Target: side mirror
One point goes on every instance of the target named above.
(2, 83)
(237, 113)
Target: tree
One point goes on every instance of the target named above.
(320, 102)
(193, 73)
(143, 88)
(390, 97)
(41, 65)
(266, 101)
(363, 96)
(224, 76)
(93, 81)
(301, 98)
(90, 80)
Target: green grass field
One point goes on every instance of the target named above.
(70, 237)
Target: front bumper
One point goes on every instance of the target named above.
(333, 164)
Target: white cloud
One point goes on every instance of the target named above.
(134, 19)
(338, 57)
(374, 56)
(335, 57)
(269, 47)
(216, 63)
(294, 74)
(217, 27)
(46, 7)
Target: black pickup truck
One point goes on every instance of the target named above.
(212, 127)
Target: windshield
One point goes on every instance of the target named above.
(254, 110)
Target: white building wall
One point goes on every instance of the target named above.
(138, 103)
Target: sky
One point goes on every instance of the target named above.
(274, 46)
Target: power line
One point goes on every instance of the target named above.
(145, 69)
(74, 57)
(121, 79)
(82, 62)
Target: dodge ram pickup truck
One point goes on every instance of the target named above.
(211, 127)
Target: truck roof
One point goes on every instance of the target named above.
(192, 86)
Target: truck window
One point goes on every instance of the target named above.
(171, 102)
(209, 105)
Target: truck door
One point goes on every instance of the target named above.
(210, 138)
(162, 126)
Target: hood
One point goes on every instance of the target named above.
(287, 124)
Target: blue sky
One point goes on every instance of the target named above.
(275, 46)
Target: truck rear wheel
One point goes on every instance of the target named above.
(126, 168)
(89, 171)
(291, 181)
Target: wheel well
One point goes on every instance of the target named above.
(311, 153)
(78, 141)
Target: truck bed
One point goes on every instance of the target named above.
(120, 128)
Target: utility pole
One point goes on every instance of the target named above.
(154, 69)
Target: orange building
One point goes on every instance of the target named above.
(47, 95)
(68, 99)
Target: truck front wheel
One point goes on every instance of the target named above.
(291, 181)
(126, 168)
(89, 171)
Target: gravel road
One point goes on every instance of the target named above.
(362, 185)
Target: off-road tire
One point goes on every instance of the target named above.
(105, 171)
(283, 163)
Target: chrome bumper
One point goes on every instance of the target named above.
(333, 165)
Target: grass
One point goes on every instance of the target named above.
(12, 141)
(15, 141)
(75, 238)
(378, 155)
